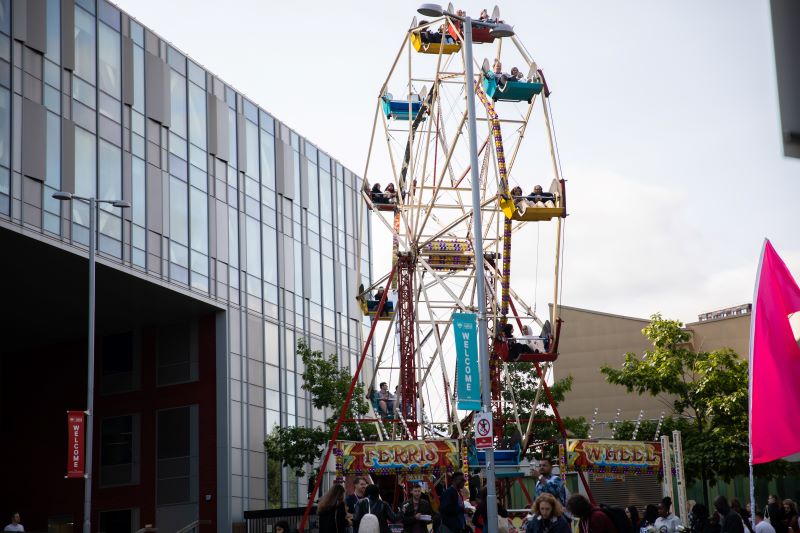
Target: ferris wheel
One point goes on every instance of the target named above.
(417, 186)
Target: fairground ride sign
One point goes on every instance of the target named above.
(392, 457)
(614, 456)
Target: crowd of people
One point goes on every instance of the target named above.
(461, 510)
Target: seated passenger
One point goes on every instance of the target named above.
(539, 198)
(498, 74)
(385, 400)
(390, 194)
(515, 349)
(374, 302)
(448, 39)
(376, 195)
(516, 75)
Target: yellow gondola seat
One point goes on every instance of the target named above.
(387, 313)
(448, 254)
(532, 213)
(434, 47)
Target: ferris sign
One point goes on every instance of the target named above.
(75, 444)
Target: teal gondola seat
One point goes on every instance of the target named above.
(399, 109)
(512, 91)
(506, 461)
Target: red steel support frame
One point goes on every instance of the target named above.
(560, 422)
(347, 400)
(405, 323)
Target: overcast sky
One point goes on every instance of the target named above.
(666, 115)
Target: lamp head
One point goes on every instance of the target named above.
(62, 195)
(121, 203)
(430, 10)
(502, 30)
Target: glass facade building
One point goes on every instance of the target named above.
(229, 207)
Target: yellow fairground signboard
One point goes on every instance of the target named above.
(390, 457)
(614, 456)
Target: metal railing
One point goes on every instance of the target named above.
(193, 526)
(264, 521)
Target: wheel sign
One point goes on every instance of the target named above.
(483, 431)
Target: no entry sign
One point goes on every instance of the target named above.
(483, 431)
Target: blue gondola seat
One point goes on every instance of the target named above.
(399, 109)
(511, 91)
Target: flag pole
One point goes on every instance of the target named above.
(750, 377)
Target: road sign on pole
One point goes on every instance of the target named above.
(484, 434)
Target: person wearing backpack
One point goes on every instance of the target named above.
(592, 519)
(666, 522)
(372, 514)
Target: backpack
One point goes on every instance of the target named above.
(618, 518)
(369, 522)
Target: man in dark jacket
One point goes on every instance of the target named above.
(451, 506)
(729, 521)
(372, 504)
(417, 513)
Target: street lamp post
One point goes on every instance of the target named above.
(498, 30)
(93, 205)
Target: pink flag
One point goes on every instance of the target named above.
(774, 362)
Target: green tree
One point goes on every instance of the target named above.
(327, 385)
(708, 393)
(524, 384)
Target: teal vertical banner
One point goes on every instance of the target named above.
(465, 328)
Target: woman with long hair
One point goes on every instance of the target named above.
(481, 514)
(547, 516)
(790, 515)
(633, 516)
(332, 512)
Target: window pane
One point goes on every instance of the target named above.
(109, 59)
(197, 115)
(138, 79)
(5, 126)
(110, 174)
(178, 104)
(178, 212)
(253, 247)
(85, 155)
(313, 188)
(53, 171)
(138, 185)
(54, 30)
(252, 148)
(199, 214)
(267, 160)
(270, 255)
(84, 45)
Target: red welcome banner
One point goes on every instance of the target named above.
(387, 457)
(75, 444)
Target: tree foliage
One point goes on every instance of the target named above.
(708, 393)
(327, 385)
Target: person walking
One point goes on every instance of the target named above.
(729, 521)
(16, 523)
(633, 517)
(592, 519)
(773, 514)
(373, 505)
(451, 506)
(548, 516)
(416, 511)
(333, 515)
(481, 514)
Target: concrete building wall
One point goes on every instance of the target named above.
(591, 339)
